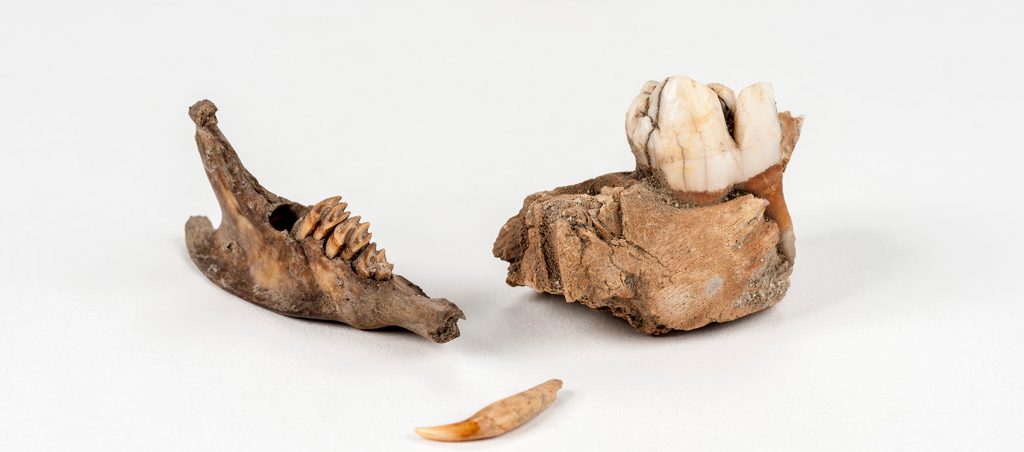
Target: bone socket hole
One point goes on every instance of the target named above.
(283, 217)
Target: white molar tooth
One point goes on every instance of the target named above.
(691, 144)
(639, 124)
(704, 138)
(758, 132)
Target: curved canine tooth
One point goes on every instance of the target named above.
(337, 240)
(691, 144)
(758, 131)
(331, 219)
(311, 219)
(499, 417)
(639, 124)
(356, 240)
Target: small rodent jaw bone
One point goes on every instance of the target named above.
(313, 262)
(702, 138)
(499, 417)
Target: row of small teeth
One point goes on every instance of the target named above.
(704, 138)
(346, 238)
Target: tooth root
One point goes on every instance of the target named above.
(639, 124)
(499, 417)
(758, 132)
(691, 145)
(356, 240)
(331, 219)
(309, 222)
(337, 240)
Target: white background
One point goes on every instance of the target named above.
(902, 329)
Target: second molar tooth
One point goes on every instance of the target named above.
(691, 144)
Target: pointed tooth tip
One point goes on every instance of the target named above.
(459, 431)
(435, 434)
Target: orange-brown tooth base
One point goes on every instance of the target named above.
(768, 185)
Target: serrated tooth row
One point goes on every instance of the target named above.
(372, 264)
(346, 237)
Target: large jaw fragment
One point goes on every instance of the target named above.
(303, 261)
(699, 233)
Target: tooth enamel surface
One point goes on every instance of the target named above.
(725, 94)
(758, 131)
(678, 127)
(639, 123)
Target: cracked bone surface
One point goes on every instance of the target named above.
(315, 262)
(698, 233)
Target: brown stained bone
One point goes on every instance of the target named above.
(623, 242)
(297, 260)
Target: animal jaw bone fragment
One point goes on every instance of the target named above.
(499, 417)
(698, 233)
(303, 261)
(702, 141)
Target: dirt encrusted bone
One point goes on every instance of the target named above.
(664, 247)
(312, 262)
